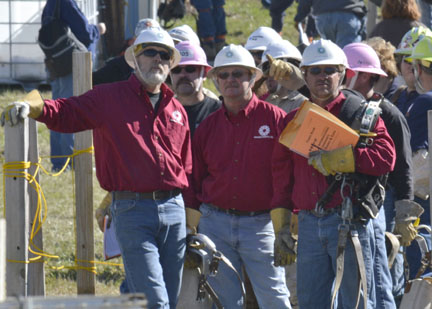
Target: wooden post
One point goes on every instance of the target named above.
(2, 259)
(17, 211)
(430, 161)
(36, 272)
(371, 17)
(84, 181)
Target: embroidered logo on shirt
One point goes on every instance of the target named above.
(264, 132)
(176, 117)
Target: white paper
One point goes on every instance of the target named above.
(111, 246)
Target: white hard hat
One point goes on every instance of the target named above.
(235, 55)
(184, 33)
(260, 38)
(322, 52)
(153, 36)
(145, 23)
(281, 49)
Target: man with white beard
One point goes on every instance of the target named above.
(143, 156)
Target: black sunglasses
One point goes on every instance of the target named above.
(327, 70)
(153, 52)
(187, 69)
(235, 74)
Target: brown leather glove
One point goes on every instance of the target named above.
(103, 210)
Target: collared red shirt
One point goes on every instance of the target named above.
(232, 158)
(135, 150)
(298, 185)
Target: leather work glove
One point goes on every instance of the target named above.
(279, 69)
(192, 220)
(103, 210)
(31, 106)
(407, 212)
(285, 244)
(340, 160)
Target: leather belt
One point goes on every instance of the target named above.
(236, 212)
(155, 195)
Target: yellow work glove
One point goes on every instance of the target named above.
(285, 244)
(340, 160)
(103, 210)
(192, 220)
(279, 69)
(407, 212)
(31, 106)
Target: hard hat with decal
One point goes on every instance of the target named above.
(152, 36)
(281, 49)
(184, 33)
(325, 52)
(422, 51)
(363, 58)
(144, 24)
(413, 36)
(192, 54)
(235, 55)
(260, 38)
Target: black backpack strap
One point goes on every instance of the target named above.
(352, 109)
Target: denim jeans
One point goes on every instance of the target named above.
(426, 13)
(62, 144)
(316, 262)
(152, 240)
(397, 270)
(211, 19)
(382, 276)
(245, 241)
(340, 27)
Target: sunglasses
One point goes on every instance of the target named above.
(327, 70)
(164, 55)
(235, 74)
(187, 69)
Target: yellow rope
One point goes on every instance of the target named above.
(14, 169)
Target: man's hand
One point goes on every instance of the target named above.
(279, 69)
(285, 250)
(340, 160)
(15, 113)
(103, 210)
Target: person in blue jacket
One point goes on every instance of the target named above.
(62, 144)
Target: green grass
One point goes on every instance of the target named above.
(243, 17)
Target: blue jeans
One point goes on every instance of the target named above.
(413, 253)
(426, 13)
(211, 22)
(152, 240)
(245, 241)
(316, 262)
(397, 270)
(382, 276)
(340, 27)
(62, 144)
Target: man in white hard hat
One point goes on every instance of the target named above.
(231, 185)
(257, 42)
(184, 33)
(143, 156)
(305, 185)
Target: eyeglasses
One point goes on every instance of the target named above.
(257, 53)
(327, 70)
(186, 68)
(235, 74)
(164, 55)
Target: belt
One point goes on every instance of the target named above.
(324, 212)
(155, 195)
(236, 212)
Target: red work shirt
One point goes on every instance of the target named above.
(298, 185)
(232, 158)
(135, 150)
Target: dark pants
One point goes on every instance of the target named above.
(277, 13)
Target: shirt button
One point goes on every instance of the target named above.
(235, 160)
(162, 173)
(234, 197)
(235, 178)
(238, 143)
(313, 174)
(238, 124)
(313, 193)
(156, 137)
(160, 154)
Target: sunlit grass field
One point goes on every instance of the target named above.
(243, 17)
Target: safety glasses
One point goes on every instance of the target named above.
(164, 55)
(327, 70)
(235, 74)
(186, 68)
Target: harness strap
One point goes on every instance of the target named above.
(203, 284)
(361, 268)
(394, 243)
(340, 257)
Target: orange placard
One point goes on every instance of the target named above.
(314, 128)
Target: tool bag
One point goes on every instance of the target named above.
(58, 43)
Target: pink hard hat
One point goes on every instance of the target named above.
(192, 54)
(363, 58)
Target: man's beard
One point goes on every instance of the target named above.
(154, 78)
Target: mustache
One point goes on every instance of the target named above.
(184, 80)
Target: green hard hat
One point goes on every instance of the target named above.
(411, 38)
